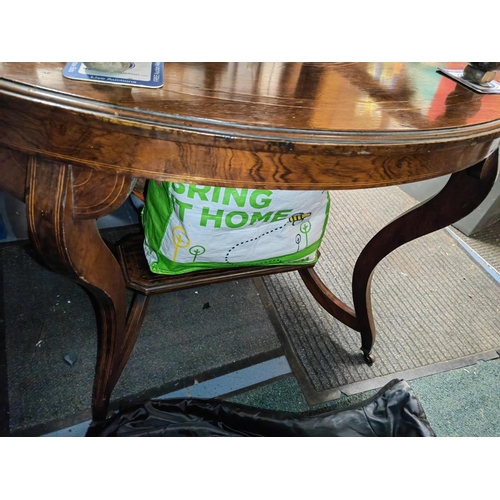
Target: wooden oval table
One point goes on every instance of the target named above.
(71, 150)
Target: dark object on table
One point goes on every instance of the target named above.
(393, 412)
(481, 72)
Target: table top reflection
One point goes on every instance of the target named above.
(322, 113)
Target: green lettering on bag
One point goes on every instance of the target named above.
(182, 207)
(207, 216)
(216, 194)
(257, 217)
(178, 188)
(264, 202)
(234, 225)
(201, 191)
(239, 197)
(280, 215)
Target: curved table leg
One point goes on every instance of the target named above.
(135, 318)
(331, 303)
(61, 217)
(463, 193)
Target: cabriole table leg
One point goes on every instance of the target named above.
(62, 202)
(463, 193)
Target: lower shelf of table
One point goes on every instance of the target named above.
(138, 276)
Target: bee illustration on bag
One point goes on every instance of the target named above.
(298, 217)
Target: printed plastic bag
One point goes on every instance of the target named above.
(191, 227)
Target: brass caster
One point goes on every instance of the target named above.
(369, 358)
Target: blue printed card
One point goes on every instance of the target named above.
(139, 74)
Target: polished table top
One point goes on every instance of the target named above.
(287, 125)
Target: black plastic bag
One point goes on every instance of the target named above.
(393, 411)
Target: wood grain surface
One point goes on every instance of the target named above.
(286, 125)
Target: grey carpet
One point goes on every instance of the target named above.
(182, 340)
(434, 307)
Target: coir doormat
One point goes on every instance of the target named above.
(435, 308)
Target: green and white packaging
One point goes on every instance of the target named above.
(190, 227)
